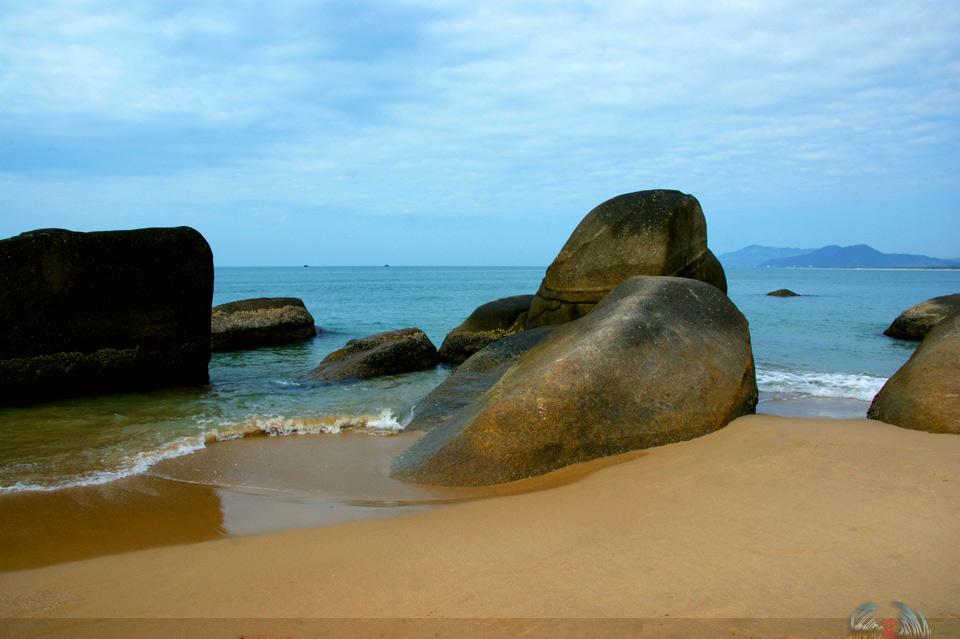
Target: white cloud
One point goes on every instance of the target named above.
(502, 110)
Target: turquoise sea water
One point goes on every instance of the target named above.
(826, 344)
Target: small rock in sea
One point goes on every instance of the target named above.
(783, 292)
(915, 322)
(263, 321)
(388, 353)
(488, 323)
(925, 393)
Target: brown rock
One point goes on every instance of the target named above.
(915, 322)
(645, 233)
(388, 353)
(783, 292)
(659, 360)
(264, 321)
(486, 324)
(473, 378)
(925, 393)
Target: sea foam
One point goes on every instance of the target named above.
(384, 422)
(784, 385)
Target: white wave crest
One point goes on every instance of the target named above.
(133, 465)
(784, 385)
(140, 462)
(386, 421)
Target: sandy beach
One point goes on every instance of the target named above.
(770, 525)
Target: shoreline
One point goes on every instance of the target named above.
(261, 484)
(231, 490)
(769, 517)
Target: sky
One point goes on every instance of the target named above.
(473, 134)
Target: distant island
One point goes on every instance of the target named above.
(858, 256)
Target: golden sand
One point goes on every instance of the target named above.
(785, 522)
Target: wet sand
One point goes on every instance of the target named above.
(770, 525)
(247, 486)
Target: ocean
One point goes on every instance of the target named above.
(821, 354)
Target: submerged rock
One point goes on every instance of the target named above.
(473, 377)
(915, 322)
(103, 312)
(783, 292)
(925, 393)
(645, 233)
(264, 321)
(486, 324)
(388, 353)
(659, 360)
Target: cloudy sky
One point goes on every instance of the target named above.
(479, 133)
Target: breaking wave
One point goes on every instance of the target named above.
(784, 385)
(268, 426)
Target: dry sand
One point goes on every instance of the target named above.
(789, 523)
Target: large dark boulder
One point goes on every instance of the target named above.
(659, 360)
(264, 321)
(473, 378)
(645, 233)
(486, 324)
(95, 313)
(915, 322)
(925, 393)
(388, 353)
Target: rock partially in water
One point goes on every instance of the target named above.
(103, 312)
(473, 378)
(659, 360)
(264, 321)
(656, 232)
(388, 353)
(783, 292)
(925, 393)
(915, 322)
(485, 325)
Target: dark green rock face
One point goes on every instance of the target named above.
(783, 292)
(486, 324)
(659, 360)
(388, 353)
(264, 321)
(473, 378)
(95, 313)
(915, 322)
(656, 232)
(925, 393)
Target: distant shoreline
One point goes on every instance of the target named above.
(857, 268)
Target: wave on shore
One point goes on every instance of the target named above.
(115, 462)
(775, 384)
(273, 426)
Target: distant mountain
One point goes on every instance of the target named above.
(755, 255)
(859, 256)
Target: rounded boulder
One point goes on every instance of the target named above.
(658, 232)
(388, 353)
(659, 360)
(485, 325)
(915, 322)
(925, 393)
(264, 321)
